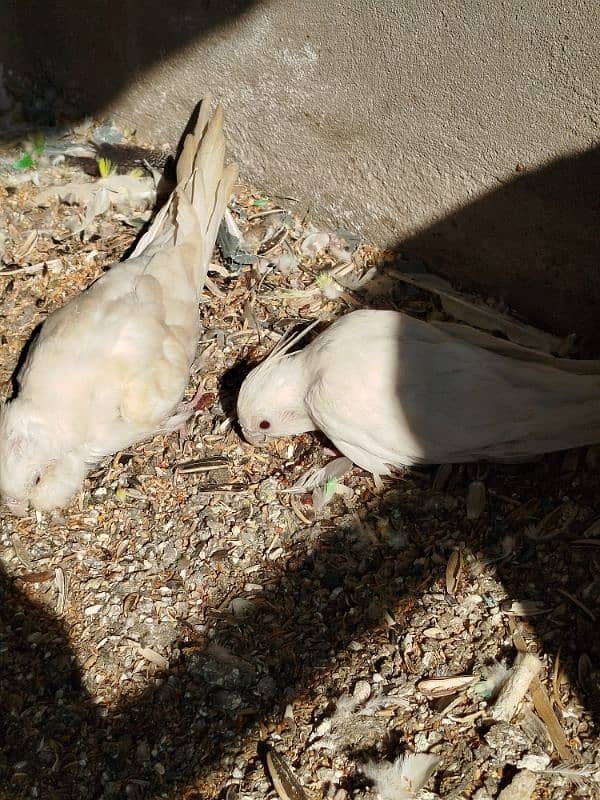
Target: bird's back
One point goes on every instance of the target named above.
(401, 391)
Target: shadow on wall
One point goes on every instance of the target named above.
(94, 50)
(534, 242)
(206, 702)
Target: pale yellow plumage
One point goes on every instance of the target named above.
(110, 367)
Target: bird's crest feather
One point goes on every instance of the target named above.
(285, 344)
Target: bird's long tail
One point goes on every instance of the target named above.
(197, 204)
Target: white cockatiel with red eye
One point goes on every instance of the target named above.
(391, 391)
(109, 368)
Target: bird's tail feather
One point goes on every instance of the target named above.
(507, 348)
(198, 202)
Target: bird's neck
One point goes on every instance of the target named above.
(295, 384)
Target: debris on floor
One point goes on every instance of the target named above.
(202, 600)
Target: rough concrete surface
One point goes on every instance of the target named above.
(462, 132)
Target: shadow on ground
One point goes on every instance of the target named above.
(287, 641)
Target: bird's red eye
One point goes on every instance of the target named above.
(264, 424)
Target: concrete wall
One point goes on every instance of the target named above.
(464, 132)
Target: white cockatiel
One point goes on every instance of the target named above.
(109, 368)
(391, 391)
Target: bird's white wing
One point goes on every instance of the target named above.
(400, 392)
(110, 357)
(353, 397)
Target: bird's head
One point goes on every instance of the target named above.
(24, 453)
(271, 401)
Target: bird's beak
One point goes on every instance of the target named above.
(18, 507)
(256, 439)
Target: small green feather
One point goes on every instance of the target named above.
(25, 162)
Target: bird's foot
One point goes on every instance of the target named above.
(185, 411)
